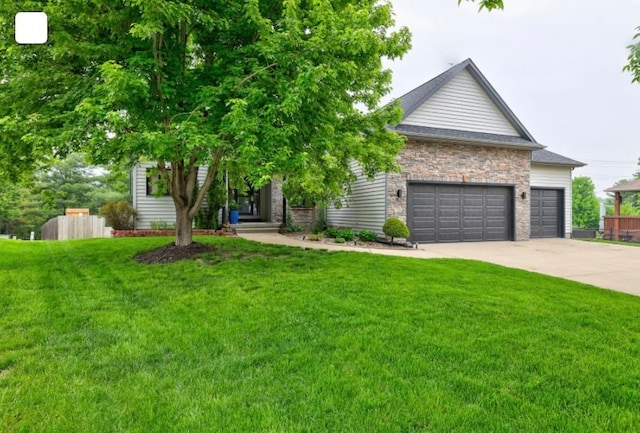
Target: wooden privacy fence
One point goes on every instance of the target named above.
(75, 227)
(623, 228)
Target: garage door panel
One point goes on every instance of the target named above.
(546, 213)
(460, 213)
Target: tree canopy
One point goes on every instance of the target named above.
(586, 206)
(273, 87)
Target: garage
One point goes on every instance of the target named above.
(546, 213)
(459, 212)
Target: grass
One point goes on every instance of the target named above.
(259, 338)
(605, 241)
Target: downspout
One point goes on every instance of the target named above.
(283, 226)
(225, 214)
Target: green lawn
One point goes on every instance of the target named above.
(271, 339)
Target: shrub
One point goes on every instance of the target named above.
(367, 236)
(162, 225)
(320, 222)
(340, 241)
(314, 237)
(345, 233)
(331, 232)
(291, 227)
(394, 228)
(119, 215)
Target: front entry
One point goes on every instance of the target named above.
(253, 203)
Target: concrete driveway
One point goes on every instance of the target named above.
(615, 267)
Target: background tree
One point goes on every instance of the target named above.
(586, 206)
(74, 183)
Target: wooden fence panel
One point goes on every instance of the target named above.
(75, 227)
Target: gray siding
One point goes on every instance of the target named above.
(151, 208)
(365, 208)
(462, 105)
(543, 176)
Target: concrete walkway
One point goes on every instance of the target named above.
(615, 267)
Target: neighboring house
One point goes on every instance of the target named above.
(470, 170)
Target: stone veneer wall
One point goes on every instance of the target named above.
(276, 200)
(460, 163)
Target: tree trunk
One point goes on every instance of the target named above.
(184, 232)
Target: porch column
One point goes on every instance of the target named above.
(616, 213)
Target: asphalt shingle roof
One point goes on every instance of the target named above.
(631, 186)
(546, 157)
(468, 136)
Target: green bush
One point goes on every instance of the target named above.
(331, 232)
(340, 241)
(162, 225)
(345, 233)
(118, 215)
(314, 237)
(367, 236)
(394, 228)
(320, 223)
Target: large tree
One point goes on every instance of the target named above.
(586, 206)
(274, 87)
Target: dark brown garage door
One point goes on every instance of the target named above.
(546, 213)
(459, 213)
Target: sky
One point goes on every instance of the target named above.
(556, 63)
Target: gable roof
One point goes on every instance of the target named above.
(545, 157)
(415, 99)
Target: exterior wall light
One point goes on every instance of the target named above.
(399, 193)
(524, 195)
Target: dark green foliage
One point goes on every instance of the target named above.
(331, 232)
(119, 215)
(340, 232)
(395, 228)
(367, 236)
(586, 206)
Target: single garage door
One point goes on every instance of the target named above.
(459, 213)
(546, 213)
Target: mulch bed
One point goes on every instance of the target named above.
(172, 253)
(329, 241)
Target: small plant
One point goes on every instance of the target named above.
(119, 215)
(314, 237)
(160, 225)
(320, 223)
(394, 228)
(345, 233)
(339, 240)
(233, 205)
(367, 236)
(331, 232)
(291, 227)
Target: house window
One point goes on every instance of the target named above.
(155, 186)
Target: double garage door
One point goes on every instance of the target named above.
(467, 213)
(459, 213)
